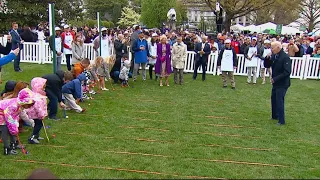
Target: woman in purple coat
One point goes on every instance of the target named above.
(163, 64)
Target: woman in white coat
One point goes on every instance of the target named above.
(179, 55)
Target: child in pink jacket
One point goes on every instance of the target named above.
(10, 110)
(39, 110)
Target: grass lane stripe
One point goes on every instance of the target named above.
(163, 121)
(213, 117)
(51, 146)
(134, 153)
(238, 147)
(227, 135)
(227, 125)
(78, 123)
(173, 142)
(113, 169)
(240, 162)
(147, 128)
(196, 159)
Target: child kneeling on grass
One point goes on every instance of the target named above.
(10, 110)
(72, 91)
(124, 73)
(39, 110)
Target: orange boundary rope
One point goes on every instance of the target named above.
(114, 169)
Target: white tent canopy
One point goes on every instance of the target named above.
(237, 27)
(251, 28)
(260, 28)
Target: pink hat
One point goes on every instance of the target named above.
(25, 96)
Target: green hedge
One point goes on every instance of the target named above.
(90, 23)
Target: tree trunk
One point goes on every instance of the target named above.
(227, 23)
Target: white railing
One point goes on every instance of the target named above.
(304, 67)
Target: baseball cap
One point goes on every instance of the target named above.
(154, 35)
(139, 32)
(254, 38)
(266, 41)
(104, 29)
(66, 26)
(227, 41)
(57, 29)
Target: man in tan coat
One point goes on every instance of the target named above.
(179, 55)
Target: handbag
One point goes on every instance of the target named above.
(163, 58)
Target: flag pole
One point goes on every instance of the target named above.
(100, 33)
(52, 33)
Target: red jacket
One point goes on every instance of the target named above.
(63, 35)
(236, 46)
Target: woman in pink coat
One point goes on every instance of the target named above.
(10, 110)
(39, 110)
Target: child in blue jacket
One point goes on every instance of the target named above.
(72, 91)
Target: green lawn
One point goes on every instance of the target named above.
(190, 131)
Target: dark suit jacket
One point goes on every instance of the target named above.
(206, 49)
(16, 39)
(281, 69)
(309, 50)
(120, 48)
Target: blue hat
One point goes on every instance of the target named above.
(139, 32)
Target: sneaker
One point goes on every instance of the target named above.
(224, 86)
(92, 92)
(234, 88)
(8, 151)
(33, 140)
(54, 118)
(104, 89)
(40, 138)
(16, 145)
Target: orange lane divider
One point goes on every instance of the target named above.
(227, 135)
(110, 137)
(213, 117)
(226, 125)
(173, 142)
(240, 162)
(133, 153)
(135, 127)
(147, 119)
(113, 169)
(51, 146)
(148, 112)
(195, 159)
(238, 147)
(79, 123)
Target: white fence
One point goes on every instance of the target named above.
(304, 67)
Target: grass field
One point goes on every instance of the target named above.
(196, 130)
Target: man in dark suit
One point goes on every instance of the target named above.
(203, 50)
(280, 63)
(121, 49)
(16, 43)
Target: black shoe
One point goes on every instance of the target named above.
(234, 88)
(275, 119)
(8, 151)
(16, 145)
(54, 118)
(280, 124)
(224, 86)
